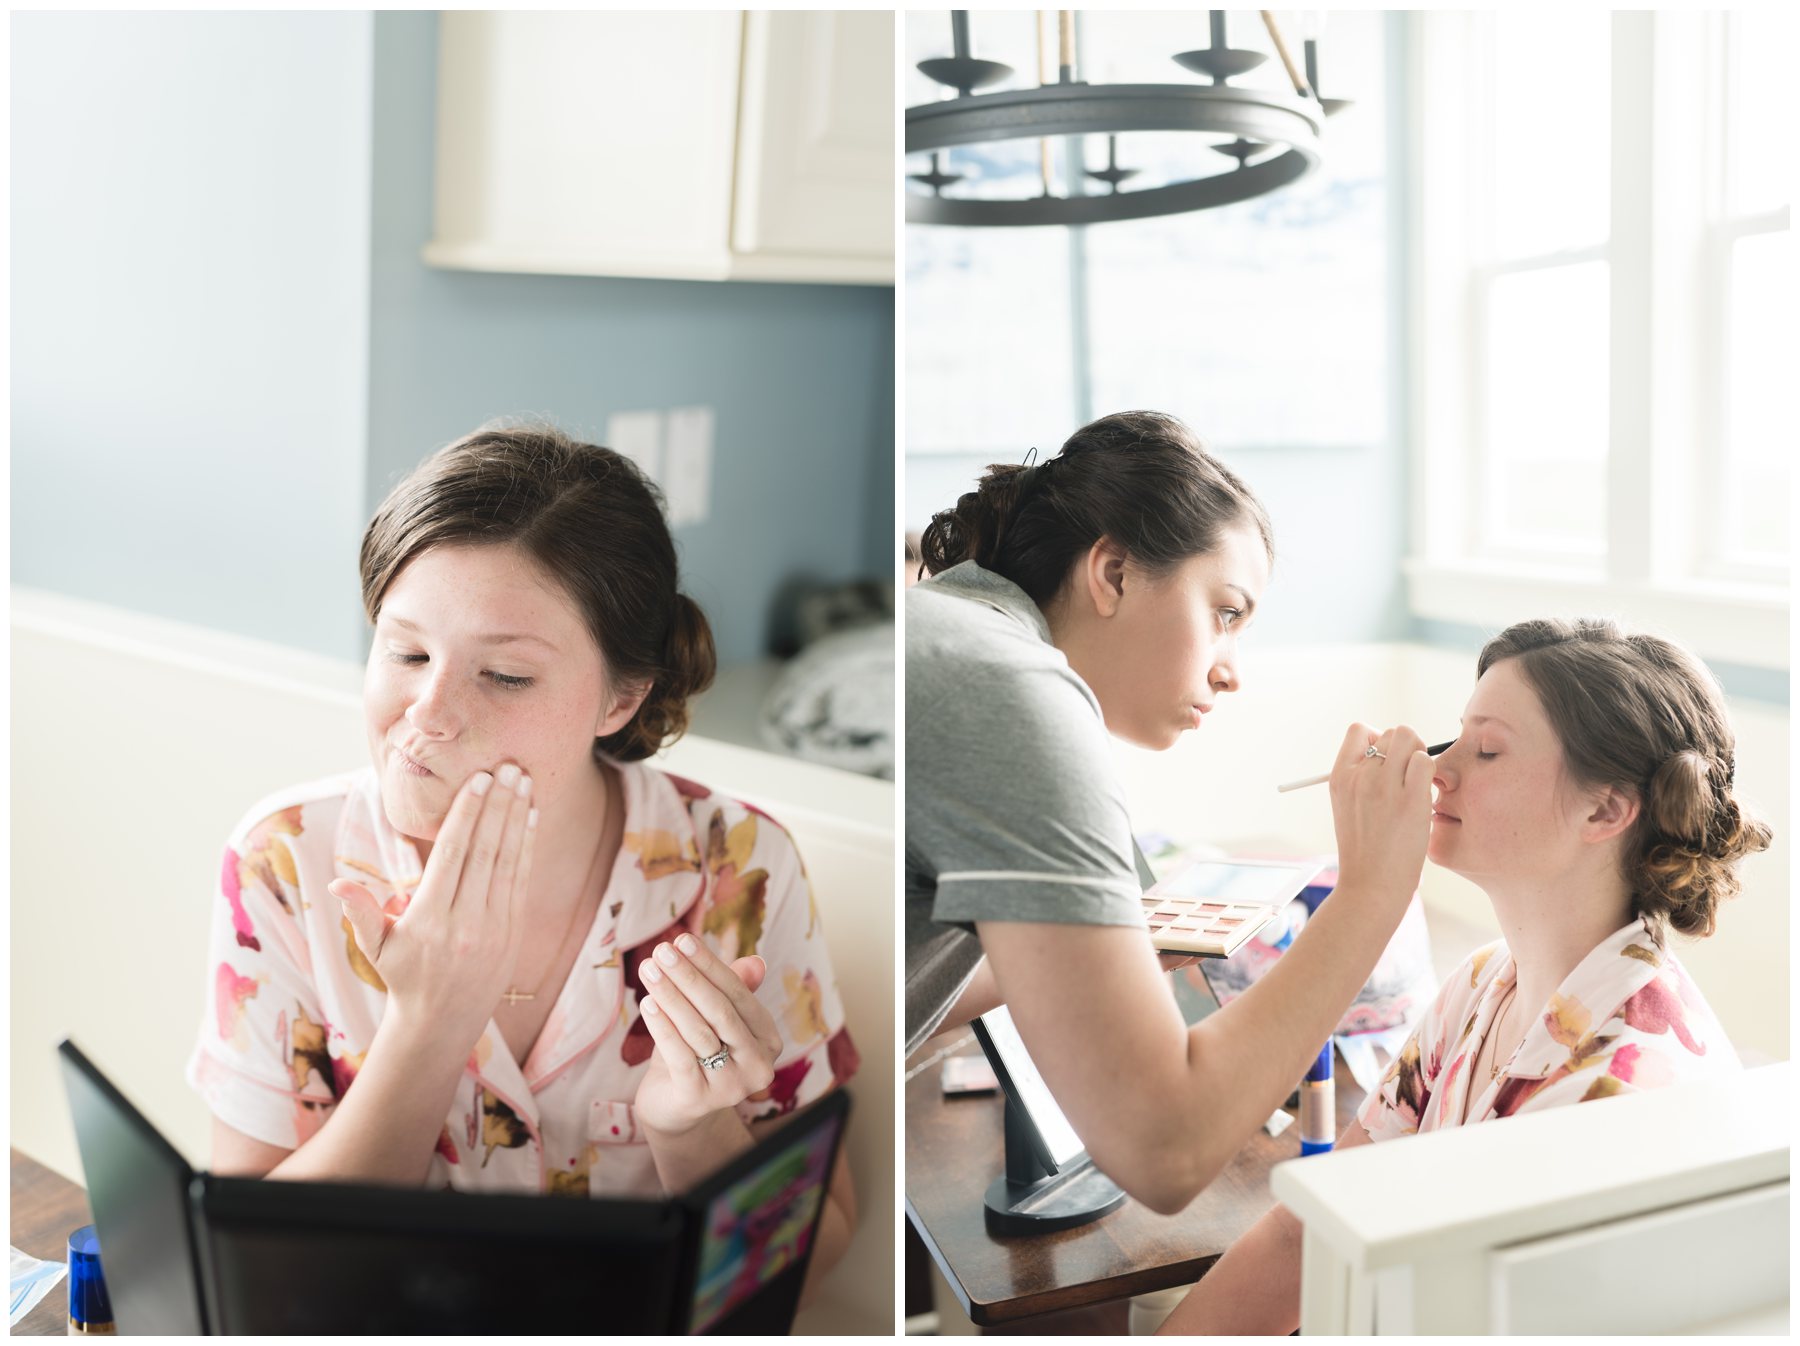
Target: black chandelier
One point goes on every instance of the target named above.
(1274, 136)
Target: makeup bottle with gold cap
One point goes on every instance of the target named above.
(90, 1311)
(1318, 1106)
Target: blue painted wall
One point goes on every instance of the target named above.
(190, 205)
(800, 377)
(226, 349)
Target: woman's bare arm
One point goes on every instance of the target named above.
(1163, 1107)
(235, 1155)
(977, 998)
(383, 1130)
(1254, 1289)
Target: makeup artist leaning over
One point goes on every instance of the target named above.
(508, 954)
(1106, 591)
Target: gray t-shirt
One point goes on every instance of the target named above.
(1014, 811)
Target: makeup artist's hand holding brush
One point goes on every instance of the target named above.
(1381, 810)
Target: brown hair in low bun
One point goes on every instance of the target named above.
(1141, 478)
(688, 663)
(1642, 714)
(592, 521)
(1704, 833)
(1680, 796)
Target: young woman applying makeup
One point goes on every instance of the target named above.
(508, 953)
(1105, 591)
(1590, 795)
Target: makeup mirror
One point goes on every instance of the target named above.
(1049, 1182)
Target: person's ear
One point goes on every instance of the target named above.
(622, 704)
(1611, 812)
(1103, 576)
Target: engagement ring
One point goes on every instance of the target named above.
(717, 1059)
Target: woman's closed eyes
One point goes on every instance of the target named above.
(507, 680)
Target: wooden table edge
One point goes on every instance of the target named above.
(47, 1237)
(1145, 1281)
(1125, 1284)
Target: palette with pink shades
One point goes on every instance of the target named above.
(1211, 908)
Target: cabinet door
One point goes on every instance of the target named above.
(598, 143)
(816, 160)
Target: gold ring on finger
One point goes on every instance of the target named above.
(1373, 751)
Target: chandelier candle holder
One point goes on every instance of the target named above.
(1332, 106)
(1278, 130)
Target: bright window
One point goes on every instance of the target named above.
(1542, 282)
(1262, 324)
(1603, 346)
(1545, 411)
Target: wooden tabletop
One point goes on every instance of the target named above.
(46, 1209)
(954, 1148)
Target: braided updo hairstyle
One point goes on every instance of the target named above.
(591, 520)
(1642, 714)
(1141, 478)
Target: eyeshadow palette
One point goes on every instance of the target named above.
(1213, 907)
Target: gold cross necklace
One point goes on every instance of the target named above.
(513, 995)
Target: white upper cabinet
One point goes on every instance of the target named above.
(695, 145)
(816, 138)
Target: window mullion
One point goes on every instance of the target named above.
(1681, 396)
(1513, 266)
(1630, 551)
(1443, 223)
(1479, 245)
(1747, 226)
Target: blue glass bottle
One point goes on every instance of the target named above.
(90, 1311)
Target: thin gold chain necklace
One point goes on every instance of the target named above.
(513, 995)
(1497, 1060)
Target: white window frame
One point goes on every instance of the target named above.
(1721, 232)
(1666, 370)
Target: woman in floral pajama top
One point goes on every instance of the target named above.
(1591, 797)
(412, 982)
(1628, 1017)
(294, 1005)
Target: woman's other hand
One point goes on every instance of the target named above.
(1381, 809)
(446, 960)
(696, 1005)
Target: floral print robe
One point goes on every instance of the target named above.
(292, 1005)
(1628, 1017)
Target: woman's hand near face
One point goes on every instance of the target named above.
(696, 1004)
(444, 963)
(1381, 809)
(449, 957)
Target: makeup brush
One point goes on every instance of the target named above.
(1435, 749)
